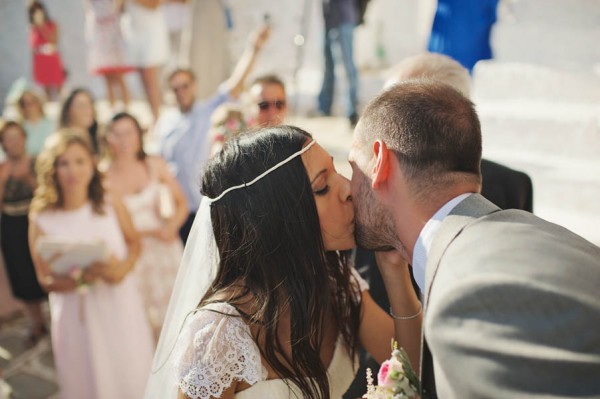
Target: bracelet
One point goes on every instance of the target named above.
(406, 317)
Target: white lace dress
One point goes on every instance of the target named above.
(216, 347)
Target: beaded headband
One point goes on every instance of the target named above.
(266, 172)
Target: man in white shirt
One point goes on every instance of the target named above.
(510, 300)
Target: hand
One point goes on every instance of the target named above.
(94, 272)
(167, 233)
(260, 37)
(391, 258)
(48, 48)
(391, 263)
(113, 271)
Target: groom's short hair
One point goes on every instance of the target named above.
(432, 129)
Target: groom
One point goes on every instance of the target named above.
(512, 303)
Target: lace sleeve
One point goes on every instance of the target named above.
(214, 349)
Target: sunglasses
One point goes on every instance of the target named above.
(183, 86)
(265, 105)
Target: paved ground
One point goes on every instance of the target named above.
(28, 371)
(550, 130)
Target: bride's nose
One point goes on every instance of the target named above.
(345, 189)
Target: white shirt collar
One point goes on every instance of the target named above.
(426, 236)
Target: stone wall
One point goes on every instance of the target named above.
(15, 59)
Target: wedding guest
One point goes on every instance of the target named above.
(184, 134)
(107, 55)
(37, 126)
(17, 183)
(78, 111)
(462, 30)
(341, 17)
(101, 340)
(48, 69)
(269, 100)
(149, 46)
(176, 14)
(158, 208)
(510, 300)
(275, 310)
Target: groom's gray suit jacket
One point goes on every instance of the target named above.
(512, 306)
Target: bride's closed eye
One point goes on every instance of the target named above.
(322, 191)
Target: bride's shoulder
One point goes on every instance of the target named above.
(215, 323)
(212, 309)
(214, 348)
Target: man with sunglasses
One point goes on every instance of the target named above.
(183, 134)
(268, 96)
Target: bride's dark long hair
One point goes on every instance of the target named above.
(273, 258)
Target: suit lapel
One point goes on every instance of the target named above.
(469, 210)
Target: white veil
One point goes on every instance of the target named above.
(196, 273)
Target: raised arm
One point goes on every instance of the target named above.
(235, 84)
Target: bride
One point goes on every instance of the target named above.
(265, 304)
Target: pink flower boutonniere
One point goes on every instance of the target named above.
(396, 378)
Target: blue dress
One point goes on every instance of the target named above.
(461, 30)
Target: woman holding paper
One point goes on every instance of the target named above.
(157, 206)
(101, 340)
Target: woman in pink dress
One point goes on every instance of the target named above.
(101, 340)
(145, 183)
(48, 69)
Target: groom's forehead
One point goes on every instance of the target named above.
(358, 152)
(357, 141)
(353, 150)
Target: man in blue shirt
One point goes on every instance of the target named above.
(183, 134)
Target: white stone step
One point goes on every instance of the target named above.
(514, 80)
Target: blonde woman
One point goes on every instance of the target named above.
(101, 340)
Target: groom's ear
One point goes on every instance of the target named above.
(381, 168)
